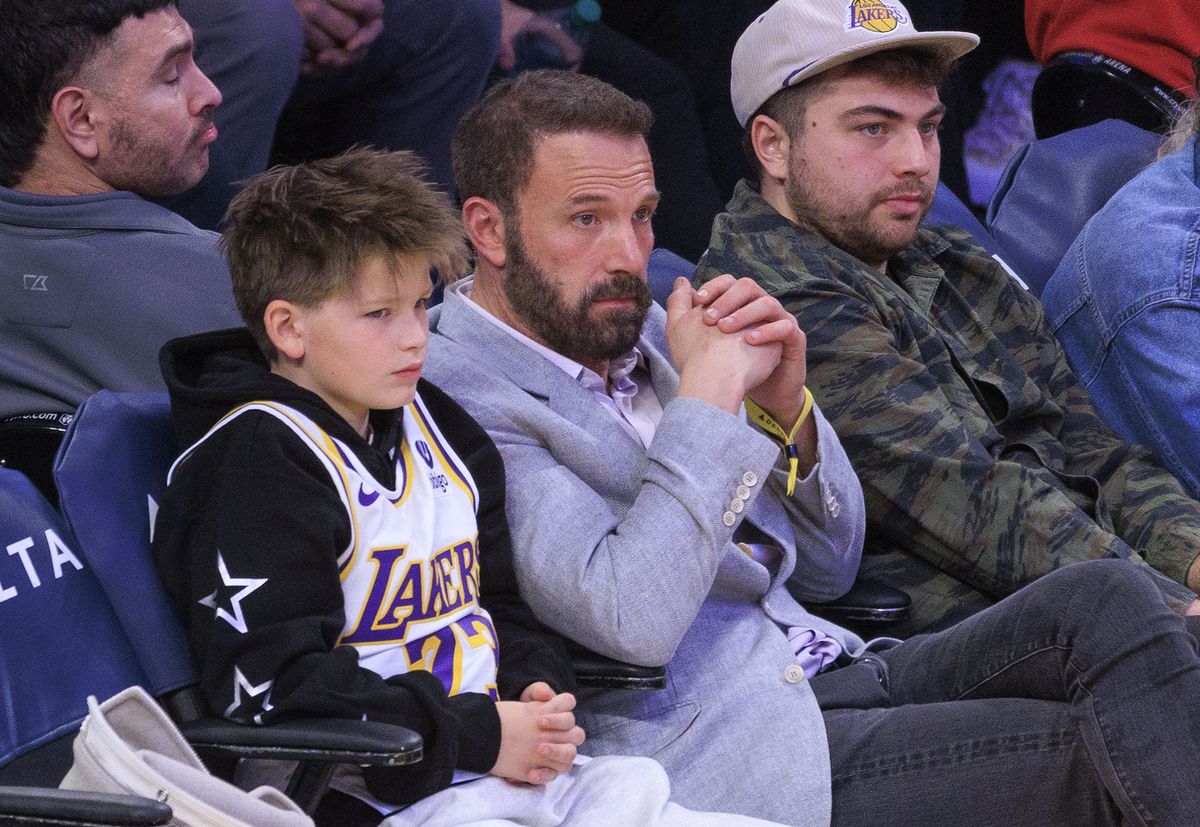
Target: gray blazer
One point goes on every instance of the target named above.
(625, 550)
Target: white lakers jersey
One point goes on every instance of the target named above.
(410, 574)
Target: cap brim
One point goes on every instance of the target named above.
(956, 44)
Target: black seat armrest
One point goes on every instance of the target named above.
(28, 443)
(323, 740)
(46, 806)
(867, 600)
(598, 672)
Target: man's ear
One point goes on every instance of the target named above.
(772, 146)
(72, 111)
(285, 328)
(485, 228)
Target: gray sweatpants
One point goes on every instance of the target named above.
(611, 791)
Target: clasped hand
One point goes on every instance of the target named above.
(730, 340)
(337, 33)
(538, 735)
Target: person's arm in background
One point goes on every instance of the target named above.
(337, 33)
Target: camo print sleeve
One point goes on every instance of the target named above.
(1144, 502)
(976, 447)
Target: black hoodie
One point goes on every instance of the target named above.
(257, 495)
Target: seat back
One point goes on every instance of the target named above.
(111, 473)
(61, 640)
(662, 269)
(948, 208)
(1079, 88)
(1053, 186)
(28, 443)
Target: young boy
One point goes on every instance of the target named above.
(335, 533)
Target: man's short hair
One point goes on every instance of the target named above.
(44, 44)
(494, 143)
(894, 67)
(299, 233)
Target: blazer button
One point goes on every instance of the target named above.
(737, 506)
(743, 492)
(729, 518)
(750, 478)
(793, 674)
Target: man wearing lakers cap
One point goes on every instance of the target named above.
(983, 462)
(1075, 700)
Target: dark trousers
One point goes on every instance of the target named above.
(1074, 701)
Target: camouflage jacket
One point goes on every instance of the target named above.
(978, 449)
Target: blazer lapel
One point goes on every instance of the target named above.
(663, 375)
(567, 398)
(535, 375)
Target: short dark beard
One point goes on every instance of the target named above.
(852, 232)
(570, 330)
(149, 169)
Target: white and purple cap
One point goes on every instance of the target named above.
(796, 39)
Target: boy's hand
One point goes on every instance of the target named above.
(563, 721)
(538, 736)
(537, 691)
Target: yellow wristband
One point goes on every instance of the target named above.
(786, 438)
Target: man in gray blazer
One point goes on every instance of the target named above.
(656, 521)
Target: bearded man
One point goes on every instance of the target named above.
(103, 107)
(655, 522)
(984, 464)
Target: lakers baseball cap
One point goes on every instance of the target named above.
(796, 39)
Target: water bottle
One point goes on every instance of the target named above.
(555, 39)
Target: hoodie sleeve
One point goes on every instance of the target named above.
(247, 541)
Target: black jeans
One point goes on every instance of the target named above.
(1074, 701)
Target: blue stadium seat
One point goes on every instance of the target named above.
(948, 208)
(61, 643)
(111, 472)
(662, 270)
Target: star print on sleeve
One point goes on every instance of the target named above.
(231, 591)
(240, 684)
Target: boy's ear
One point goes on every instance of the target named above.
(285, 328)
(485, 228)
(71, 110)
(772, 146)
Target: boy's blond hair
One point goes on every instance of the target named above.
(299, 233)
